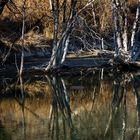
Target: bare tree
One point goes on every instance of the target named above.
(133, 43)
(60, 43)
(123, 48)
(119, 10)
(23, 30)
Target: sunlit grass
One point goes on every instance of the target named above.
(38, 12)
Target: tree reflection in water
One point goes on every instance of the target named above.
(60, 112)
(135, 80)
(95, 107)
(21, 102)
(118, 103)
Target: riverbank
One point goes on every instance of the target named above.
(73, 65)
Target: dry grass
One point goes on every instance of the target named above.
(38, 15)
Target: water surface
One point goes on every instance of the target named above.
(97, 105)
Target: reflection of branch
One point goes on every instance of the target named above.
(22, 106)
(33, 113)
(23, 100)
(118, 93)
(60, 104)
(137, 100)
(108, 124)
(124, 113)
(114, 112)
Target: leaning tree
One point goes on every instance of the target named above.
(64, 10)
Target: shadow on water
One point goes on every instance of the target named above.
(101, 105)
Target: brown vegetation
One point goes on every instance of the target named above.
(38, 19)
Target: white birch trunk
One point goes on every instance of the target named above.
(116, 33)
(120, 26)
(102, 44)
(134, 27)
(65, 50)
(125, 35)
(60, 46)
(23, 39)
(94, 16)
(55, 15)
(125, 41)
(51, 3)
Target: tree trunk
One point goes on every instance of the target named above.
(119, 9)
(60, 46)
(23, 39)
(59, 52)
(117, 38)
(133, 44)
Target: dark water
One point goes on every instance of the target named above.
(94, 106)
